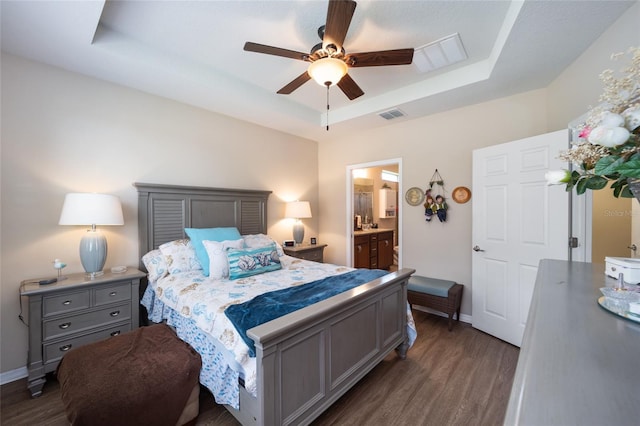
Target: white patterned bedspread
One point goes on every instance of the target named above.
(195, 304)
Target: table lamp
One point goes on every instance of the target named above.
(92, 209)
(298, 210)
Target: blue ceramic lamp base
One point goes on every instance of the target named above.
(93, 252)
(298, 232)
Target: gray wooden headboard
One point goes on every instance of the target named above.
(165, 210)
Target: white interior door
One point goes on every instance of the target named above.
(517, 221)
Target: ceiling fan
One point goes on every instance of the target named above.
(329, 60)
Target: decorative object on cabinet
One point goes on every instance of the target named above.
(76, 312)
(373, 249)
(59, 265)
(387, 203)
(313, 252)
(298, 210)
(414, 196)
(314, 241)
(461, 194)
(92, 209)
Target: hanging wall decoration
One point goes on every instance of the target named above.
(435, 204)
(414, 196)
(461, 194)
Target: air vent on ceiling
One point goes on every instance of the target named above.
(440, 53)
(391, 114)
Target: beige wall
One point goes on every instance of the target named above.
(62, 132)
(611, 226)
(444, 142)
(579, 87)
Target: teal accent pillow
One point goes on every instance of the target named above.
(198, 235)
(252, 261)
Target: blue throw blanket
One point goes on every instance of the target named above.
(272, 305)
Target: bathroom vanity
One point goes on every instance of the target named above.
(373, 248)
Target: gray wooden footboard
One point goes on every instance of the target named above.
(311, 357)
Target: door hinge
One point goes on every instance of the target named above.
(573, 242)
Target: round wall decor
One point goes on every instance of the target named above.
(461, 194)
(414, 196)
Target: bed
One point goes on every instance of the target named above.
(304, 360)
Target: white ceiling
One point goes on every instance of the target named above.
(192, 51)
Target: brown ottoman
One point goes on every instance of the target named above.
(440, 295)
(147, 376)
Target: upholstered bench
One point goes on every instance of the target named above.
(147, 376)
(440, 295)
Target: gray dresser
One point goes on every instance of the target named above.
(74, 312)
(578, 364)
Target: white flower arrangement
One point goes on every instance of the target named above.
(608, 148)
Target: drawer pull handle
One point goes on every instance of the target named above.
(66, 302)
(115, 313)
(113, 293)
(65, 325)
(115, 333)
(65, 347)
(386, 243)
(359, 249)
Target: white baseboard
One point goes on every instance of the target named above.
(463, 317)
(13, 375)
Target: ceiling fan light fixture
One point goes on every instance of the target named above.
(327, 70)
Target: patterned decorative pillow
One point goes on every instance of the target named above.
(198, 235)
(217, 251)
(180, 256)
(247, 262)
(155, 264)
(261, 240)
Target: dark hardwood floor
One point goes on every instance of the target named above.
(461, 377)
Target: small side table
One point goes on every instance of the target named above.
(313, 252)
(75, 312)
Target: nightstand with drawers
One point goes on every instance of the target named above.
(312, 252)
(74, 312)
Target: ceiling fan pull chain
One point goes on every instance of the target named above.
(328, 85)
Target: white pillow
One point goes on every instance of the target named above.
(261, 240)
(217, 252)
(180, 256)
(155, 264)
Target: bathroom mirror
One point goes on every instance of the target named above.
(363, 199)
(363, 206)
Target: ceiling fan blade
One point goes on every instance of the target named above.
(297, 82)
(339, 16)
(381, 58)
(276, 51)
(350, 88)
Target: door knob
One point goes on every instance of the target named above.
(633, 247)
(476, 248)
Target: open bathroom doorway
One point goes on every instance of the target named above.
(374, 214)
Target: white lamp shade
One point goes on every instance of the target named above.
(297, 210)
(327, 70)
(91, 209)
